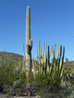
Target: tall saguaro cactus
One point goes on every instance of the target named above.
(28, 42)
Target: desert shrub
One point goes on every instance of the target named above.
(47, 86)
(69, 80)
(9, 75)
(19, 86)
(66, 89)
(53, 87)
(6, 74)
(49, 81)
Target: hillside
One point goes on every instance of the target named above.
(68, 66)
(17, 57)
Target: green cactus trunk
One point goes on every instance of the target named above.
(28, 45)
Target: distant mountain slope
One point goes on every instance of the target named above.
(15, 56)
(68, 66)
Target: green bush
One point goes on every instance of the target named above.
(9, 75)
(48, 80)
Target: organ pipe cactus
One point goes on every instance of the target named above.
(45, 58)
(35, 71)
(37, 53)
(56, 63)
(39, 57)
(43, 53)
(62, 70)
(53, 57)
(48, 59)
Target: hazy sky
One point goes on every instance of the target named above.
(51, 21)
